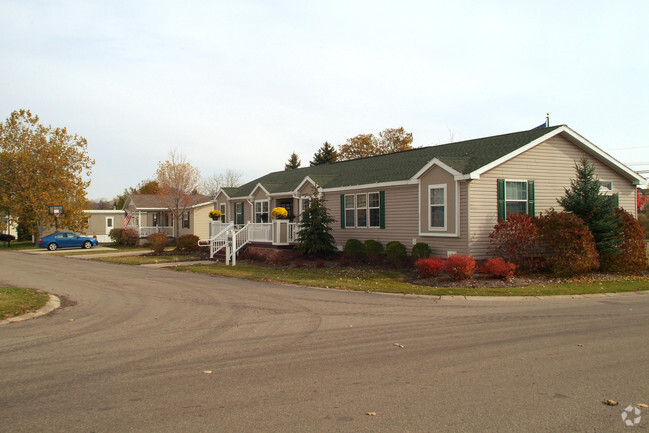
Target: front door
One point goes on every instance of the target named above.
(287, 204)
(109, 224)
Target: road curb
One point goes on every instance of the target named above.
(52, 304)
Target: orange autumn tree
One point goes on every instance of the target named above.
(41, 166)
(177, 182)
(389, 140)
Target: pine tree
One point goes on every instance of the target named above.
(325, 155)
(595, 209)
(293, 162)
(314, 237)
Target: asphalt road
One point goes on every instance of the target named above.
(131, 355)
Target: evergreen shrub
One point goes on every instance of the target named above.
(421, 250)
(373, 251)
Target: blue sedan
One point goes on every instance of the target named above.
(66, 240)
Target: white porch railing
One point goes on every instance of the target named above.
(216, 227)
(218, 241)
(232, 238)
(146, 231)
(260, 232)
(293, 230)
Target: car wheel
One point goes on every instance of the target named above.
(52, 246)
(87, 244)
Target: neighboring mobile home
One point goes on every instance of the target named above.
(150, 214)
(101, 222)
(448, 196)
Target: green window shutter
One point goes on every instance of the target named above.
(501, 199)
(382, 209)
(530, 198)
(617, 200)
(342, 211)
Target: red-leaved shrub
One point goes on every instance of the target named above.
(570, 243)
(517, 240)
(499, 268)
(632, 255)
(430, 267)
(460, 267)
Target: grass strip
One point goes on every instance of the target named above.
(393, 282)
(15, 302)
(146, 260)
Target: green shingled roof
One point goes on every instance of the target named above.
(464, 156)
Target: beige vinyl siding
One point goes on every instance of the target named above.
(401, 220)
(437, 176)
(551, 165)
(199, 223)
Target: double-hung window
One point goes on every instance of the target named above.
(362, 210)
(304, 205)
(185, 220)
(238, 213)
(350, 210)
(261, 211)
(374, 209)
(437, 206)
(515, 197)
(222, 207)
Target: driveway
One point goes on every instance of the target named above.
(151, 350)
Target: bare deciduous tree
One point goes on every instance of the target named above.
(177, 182)
(211, 185)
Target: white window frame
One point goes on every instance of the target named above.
(238, 213)
(305, 202)
(351, 223)
(110, 226)
(444, 206)
(360, 209)
(261, 211)
(223, 208)
(526, 200)
(377, 208)
(604, 187)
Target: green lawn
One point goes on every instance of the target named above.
(18, 245)
(14, 302)
(393, 281)
(145, 260)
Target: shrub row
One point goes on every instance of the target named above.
(563, 243)
(459, 267)
(372, 252)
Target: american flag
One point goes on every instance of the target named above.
(127, 219)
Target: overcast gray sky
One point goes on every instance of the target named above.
(242, 84)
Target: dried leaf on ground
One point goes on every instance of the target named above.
(642, 405)
(399, 345)
(371, 413)
(207, 371)
(610, 402)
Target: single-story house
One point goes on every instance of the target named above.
(449, 196)
(149, 213)
(101, 222)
